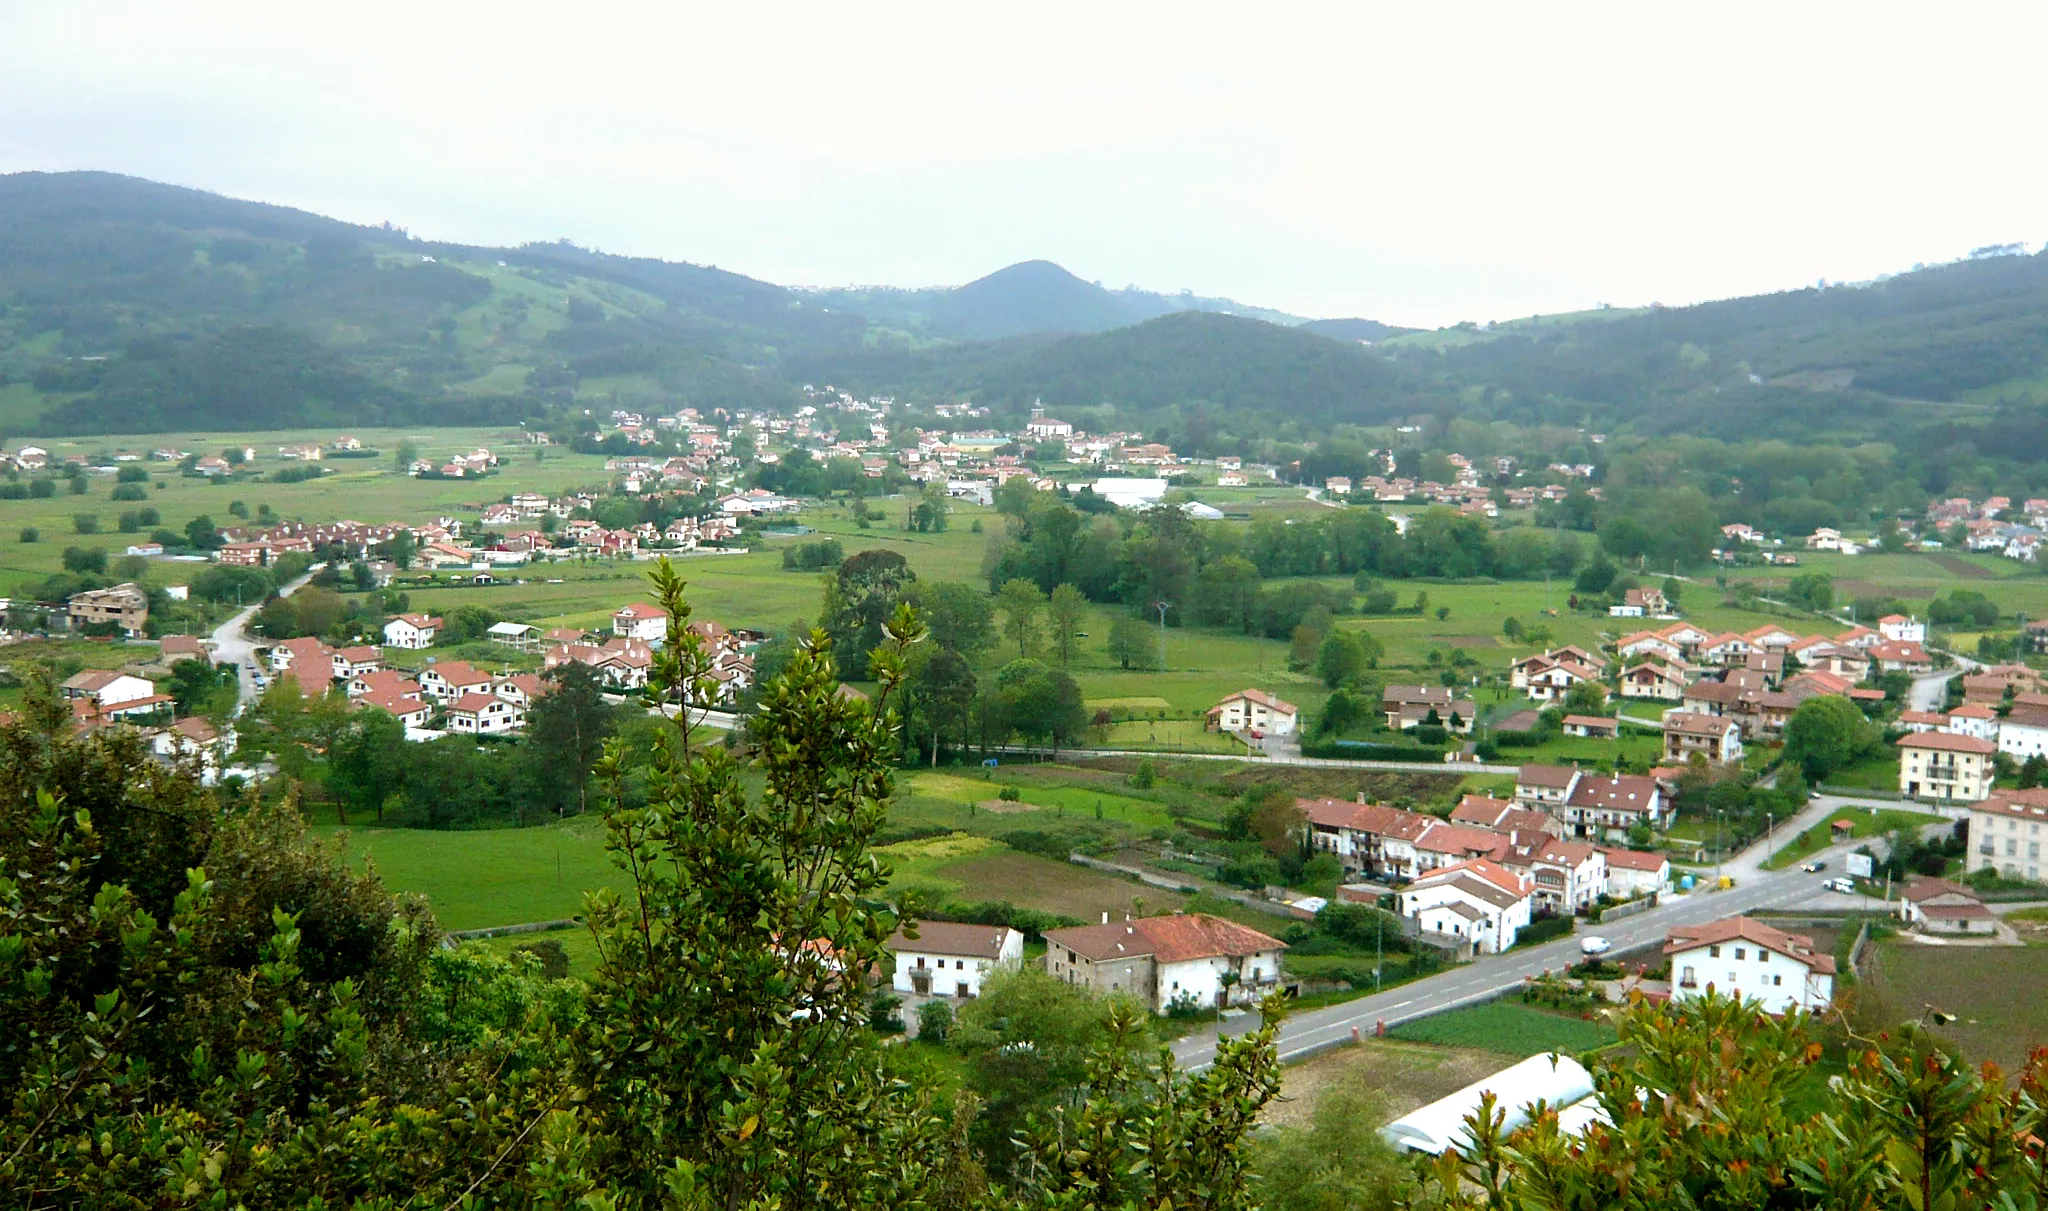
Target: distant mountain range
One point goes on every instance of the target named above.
(128, 306)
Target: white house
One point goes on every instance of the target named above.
(484, 714)
(1564, 876)
(411, 631)
(1973, 719)
(640, 620)
(195, 739)
(2023, 733)
(1481, 902)
(947, 959)
(1900, 629)
(1632, 873)
(1739, 957)
(1196, 958)
(107, 688)
(1253, 710)
(451, 679)
(1939, 906)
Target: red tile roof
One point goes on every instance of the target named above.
(1172, 939)
(1948, 742)
(1730, 929)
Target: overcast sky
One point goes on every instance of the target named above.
(1417, 163)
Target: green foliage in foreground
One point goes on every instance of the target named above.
(1697, 1103)
(202, 1010)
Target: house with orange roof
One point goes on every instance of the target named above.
(1744, 958)
(640, 620)
(451, 679)
(414, 713)
(306, 658)
(1728, 648)
(1480, 905)
(1161, 961)
(1901, 628)
(1646, 644)
(1770, 636)
(1564, 876)
(1973, 719)
(1254, 710)
(1659, 680)
(351, 661)
(484, 714)
(413, 632)
(1503, 816)
(1901, 656)
(1634, 872)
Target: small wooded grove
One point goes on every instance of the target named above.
(200, 1008)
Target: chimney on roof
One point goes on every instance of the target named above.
(1105, 916)
(1361, 796)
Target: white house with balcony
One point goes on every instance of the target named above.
(1481, 904)
(949, 959)
(1739, 957)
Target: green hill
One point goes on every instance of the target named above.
(1943, 343)
(128, 305)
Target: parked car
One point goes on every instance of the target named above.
(1846, 886)
(1594, 945)
(1814, 868)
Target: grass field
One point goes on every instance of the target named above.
(2013, 586)
(1863, 823)
(486, 878)
(1510, 1028)
(367, 490)
(1995, 993)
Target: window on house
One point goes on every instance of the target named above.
(1713, 952)
(1739, 954)
(1777, 980)
(920, 960)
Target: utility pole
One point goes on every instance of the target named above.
(1163, 606)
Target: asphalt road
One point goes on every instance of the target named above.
(1483, 979)
(1929, 692)
(232, 644)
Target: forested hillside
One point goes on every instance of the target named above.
(1842, 361)
(129, 305)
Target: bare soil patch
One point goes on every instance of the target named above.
(1005, 807)
(1870, 588)
(1956, 565)
(1403, 1075)
(1030, 881)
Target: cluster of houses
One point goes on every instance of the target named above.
(478, 462)
(1726, 687)
(465, 700)
(128, 698)
(1200, 961)
(1554, 848)
(1952, 754)
(1993, 525)
(455, 697)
